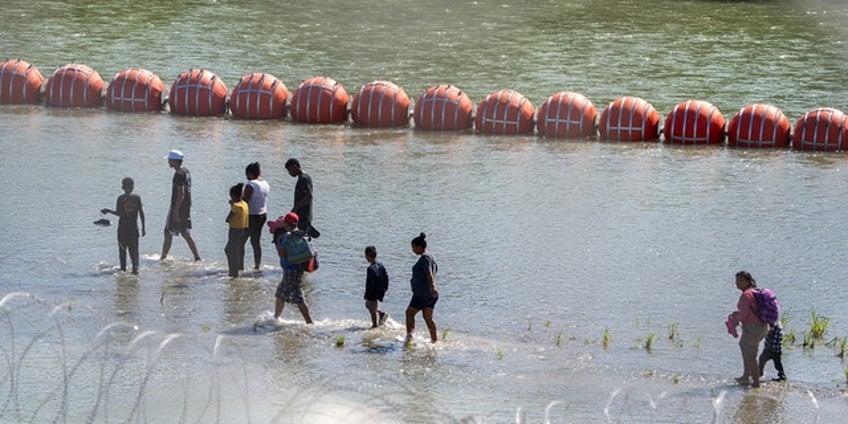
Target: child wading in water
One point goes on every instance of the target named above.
(128, 209)
(376, 286)
(772, 349)
(239, 223)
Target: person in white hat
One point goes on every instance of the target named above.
(178, 221)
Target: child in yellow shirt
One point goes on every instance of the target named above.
(239, 221)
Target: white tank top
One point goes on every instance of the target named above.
(259, 199)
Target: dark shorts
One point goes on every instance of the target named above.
(423, 302)
(183, 226)
(289, 288)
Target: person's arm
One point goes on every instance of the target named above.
(247, 192)
(178, 203)
(432, 279)
(141, 215)
(281, 249)
(305, 196)
(230, 215)
(104, 211)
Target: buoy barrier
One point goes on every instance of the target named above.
(259, 96)
(198, 92)
(694, 122)
(443, 107)
(135, 90)
(319, 100)
(821, 129)
(567, 115)
(505, 112)
(629, 119)
(380, 104)
(20, 82)
(759, 125)
(74, 85)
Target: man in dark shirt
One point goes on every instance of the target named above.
(302, 197)
(178, 221)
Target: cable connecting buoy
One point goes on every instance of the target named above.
(198, 92)
(135, 90)
(74, 85)
(443, 108)
(567, 115)
(629, 119)
(259, 96)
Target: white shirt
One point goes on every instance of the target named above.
(258, 202)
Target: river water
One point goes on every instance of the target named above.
(579, 281)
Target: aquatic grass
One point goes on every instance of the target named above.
(606, 339)
(445, 333)
(809, 341)
(340, 341)
(548, 324)
(818, 325)
(500, 354)
(698, 342)
(673, 333)
(529, 324)
(789, 338)
(558, 340)
(649, 342)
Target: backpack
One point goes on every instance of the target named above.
(768, 308)
(298, 249)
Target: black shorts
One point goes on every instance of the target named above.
(423, 302)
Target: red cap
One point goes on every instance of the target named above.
(291, 218)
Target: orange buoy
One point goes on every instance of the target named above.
(259, 96)
(567, 115)
(135, 90)
(380, 104)
(505, 112)
(629, 119)
(759, 125)
(821, 129)
(20, 82)
(443, 108)
(694, 122)
(319, 100)
(74, 85)
(198, 92)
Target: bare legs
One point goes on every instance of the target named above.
(303, 307)
(166, 244)
(427, 313)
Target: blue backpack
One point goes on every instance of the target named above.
(768, 308)
(298, 249)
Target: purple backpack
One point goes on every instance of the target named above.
(768, 308)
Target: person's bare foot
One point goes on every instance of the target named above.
(742, 380)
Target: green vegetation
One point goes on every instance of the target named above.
(558, 340)
(606, 339)
(340, 341)
(649, 342)
(673, 333)
(818, 325)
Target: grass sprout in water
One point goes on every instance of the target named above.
(818, 325)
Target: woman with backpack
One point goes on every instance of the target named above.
(754, 330)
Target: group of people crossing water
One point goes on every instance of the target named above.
(246, 219)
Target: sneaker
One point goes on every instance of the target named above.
(383, 317)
